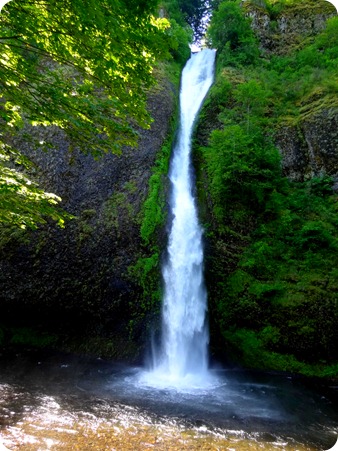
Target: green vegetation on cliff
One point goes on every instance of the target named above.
(146, 271)
(85, 67)
(101, 273)
(188, 12)
(272, 243)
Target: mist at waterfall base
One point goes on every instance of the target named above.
(182, 359)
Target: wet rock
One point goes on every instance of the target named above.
(310, 149)
(278, 32)
(75, 280)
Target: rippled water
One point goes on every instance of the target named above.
(65, 403)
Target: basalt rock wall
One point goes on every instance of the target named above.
(281, 31)
(76, 281)
(310, 147)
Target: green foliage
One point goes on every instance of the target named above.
(153, 217)
(154, 207)
(146, 271)
(242, 165)
(231, 34)
(85, 67)
(305, 81)
(22, 204)
(86, 73)
(179, 38)
(189, 12)
(119, 209)
(194, 12)
(153, 214)
(252, 348)
(278, 8)
(285, 281)
(275, 8)
(273, 242)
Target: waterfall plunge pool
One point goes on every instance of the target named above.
(62, 402)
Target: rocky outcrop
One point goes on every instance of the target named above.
(76, 279)
(279, 32)
(311, 148)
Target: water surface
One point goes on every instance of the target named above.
(64, 402)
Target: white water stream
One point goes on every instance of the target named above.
(183, 352)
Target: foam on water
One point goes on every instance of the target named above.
(188, 383)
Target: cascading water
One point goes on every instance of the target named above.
(183, 351)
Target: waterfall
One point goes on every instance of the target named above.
(185, 337)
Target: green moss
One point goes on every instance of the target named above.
(145, 272)
(89, 213)
(284, 291)
(272, 245)
(168, 71)
(154, 212)
(251, 347)
(278, 8)
(119, 209)
(29, 337)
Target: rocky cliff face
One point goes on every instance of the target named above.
(267, 260)
(76, 279)
(279, 32)
(310, 147)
